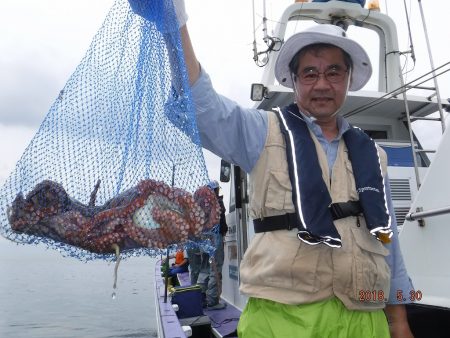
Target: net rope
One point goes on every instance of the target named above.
(117, 158)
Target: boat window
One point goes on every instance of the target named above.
(225, 171)
(377, 134)
(232, 205)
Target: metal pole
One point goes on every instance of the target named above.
(438, 96)
(423, 214)
(166, 276)
(411, 138)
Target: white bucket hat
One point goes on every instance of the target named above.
(330, 34)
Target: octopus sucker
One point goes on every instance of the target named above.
(149, 215)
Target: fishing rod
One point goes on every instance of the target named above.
(402, 89)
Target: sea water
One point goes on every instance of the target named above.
(46, 295)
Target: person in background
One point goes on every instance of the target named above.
(181, 263)
(210, 276)
(323, 227)
(195, 263)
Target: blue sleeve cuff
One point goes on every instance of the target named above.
(402, 292)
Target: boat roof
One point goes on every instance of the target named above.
(362, 103)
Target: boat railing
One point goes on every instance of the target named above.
(420, 214)
(168, 325)
(435, 92)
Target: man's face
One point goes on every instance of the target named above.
(322, 98)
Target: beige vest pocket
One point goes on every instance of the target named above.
(371, 274)
(295, 265)
(305, 270)
(279, 192)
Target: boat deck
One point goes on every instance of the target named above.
(223, 322)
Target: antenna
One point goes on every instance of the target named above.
(265, 36)
(413, 55)
(255, 49)
(273, 43)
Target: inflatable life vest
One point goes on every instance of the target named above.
(310, 195)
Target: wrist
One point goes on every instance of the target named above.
(398, 321)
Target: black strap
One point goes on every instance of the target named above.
(289, 221)
(345, 209)
(281, 222)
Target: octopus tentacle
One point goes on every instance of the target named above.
(167, 215)
(209, 204)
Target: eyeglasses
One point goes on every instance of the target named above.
(334, 74)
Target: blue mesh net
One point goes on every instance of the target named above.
(117, 161)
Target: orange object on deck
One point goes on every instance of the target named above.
(374, 5)
(179, 257)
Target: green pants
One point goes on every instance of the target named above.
(325, 319)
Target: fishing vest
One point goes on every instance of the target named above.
(312, 201)
(280, 267)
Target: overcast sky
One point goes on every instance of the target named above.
(41, 43)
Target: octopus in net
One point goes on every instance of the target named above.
(150, 215)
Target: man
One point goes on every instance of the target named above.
(306, 266)
(181, 263)
(210, 276)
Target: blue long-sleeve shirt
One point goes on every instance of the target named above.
(238, 135)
